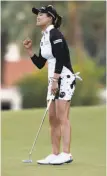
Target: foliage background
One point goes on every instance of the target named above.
(84, 27)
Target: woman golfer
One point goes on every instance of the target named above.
(54, 50)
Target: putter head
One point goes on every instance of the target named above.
(27, 161)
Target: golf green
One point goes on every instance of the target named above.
(88, 145)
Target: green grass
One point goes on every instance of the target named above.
(88, 143)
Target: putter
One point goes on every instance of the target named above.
(30, 153)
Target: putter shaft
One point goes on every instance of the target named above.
(30, 153)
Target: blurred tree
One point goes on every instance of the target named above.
(75, 30)
(93, 22)
(21, 22)
(34, 86)
(87, 30)
(88, 24)
(4, 40)
(87, 17)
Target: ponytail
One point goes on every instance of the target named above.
(58, 21)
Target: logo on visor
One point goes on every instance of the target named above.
(42, 7)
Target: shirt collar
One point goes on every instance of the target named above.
(48, 29)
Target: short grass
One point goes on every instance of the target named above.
(88, 143)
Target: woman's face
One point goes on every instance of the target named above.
(43, 19)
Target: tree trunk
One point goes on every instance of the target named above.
(4, 39)
(75, 30)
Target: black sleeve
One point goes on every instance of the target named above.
(39, 61)
(56, 39)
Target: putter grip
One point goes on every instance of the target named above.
(52, 98)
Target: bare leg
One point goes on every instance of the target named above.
(62, 112)
(55, 129)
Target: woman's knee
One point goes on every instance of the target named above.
(53, 120)
(63, 119)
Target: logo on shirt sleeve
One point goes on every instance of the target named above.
(57, 41)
